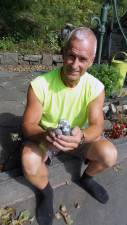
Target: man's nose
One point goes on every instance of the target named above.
(75, 63)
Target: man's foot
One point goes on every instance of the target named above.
(45, 206)
(93, 188)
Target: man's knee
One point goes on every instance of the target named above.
(30, 160)
(104, 152)
(107, 153)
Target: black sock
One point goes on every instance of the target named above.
(93, 188)
(45, 206)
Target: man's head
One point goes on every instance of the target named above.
(78, 53)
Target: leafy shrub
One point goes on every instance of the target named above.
(7, 44)
(31, 46)
(22, 20)
(42, 19)
(52, 42)
(108, 75)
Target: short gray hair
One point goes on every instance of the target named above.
(81, 33)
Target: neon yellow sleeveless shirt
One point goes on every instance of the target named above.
(61, 102)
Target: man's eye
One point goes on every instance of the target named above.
(83, 59)
(70, 56)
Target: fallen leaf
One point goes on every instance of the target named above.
(24, 216)
(67, 218)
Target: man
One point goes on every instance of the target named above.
(67, 93)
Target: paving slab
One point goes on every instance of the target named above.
(92, 212)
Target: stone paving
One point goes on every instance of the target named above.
(92, 212)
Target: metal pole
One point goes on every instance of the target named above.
(102, 28)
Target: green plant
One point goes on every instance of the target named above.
(31, 46)
(7, 44)
(52, 40)
(108, 75)
(24, 20)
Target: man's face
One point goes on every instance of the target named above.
(77, 59)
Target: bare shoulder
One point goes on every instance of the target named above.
(98, 101)
(95, 110)
(31, 97)
(33, 109)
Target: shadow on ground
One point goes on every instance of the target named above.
(10, 141)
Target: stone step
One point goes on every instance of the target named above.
(15, 190)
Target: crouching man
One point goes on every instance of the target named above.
(72, 94)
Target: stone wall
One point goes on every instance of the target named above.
(20, 59)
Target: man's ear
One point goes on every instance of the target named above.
(91, 62)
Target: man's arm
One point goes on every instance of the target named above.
(31, 118)
(95, 119)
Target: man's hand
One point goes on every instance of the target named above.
(50, 135)
(67, 143)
